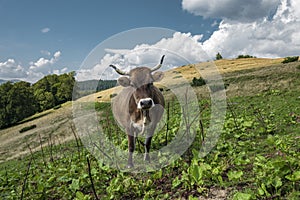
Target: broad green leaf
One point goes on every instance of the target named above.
(241, 196)
(248, 124)
(260, 191)
(192, 198)
(263, 187)
(176, 182)
(277, 183)
(293, 177)
(79, 195)
(74, 185)
(235, 175)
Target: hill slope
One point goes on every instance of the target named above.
(243, 76)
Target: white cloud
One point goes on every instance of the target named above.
(64, 70)
(60, 71)
(42, 62)
(57, 55)
(268, 28)
(7, 63)
(180, 49)
(276, 36)
(32, 76)
(43, 66)
(262, 28)
(45, 30)
(235, 10)
(215, 23)
(10, 69)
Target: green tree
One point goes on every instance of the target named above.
(53, 90)
(17, 102)
(4, 91)
(44, 98)
(65, 87)
(21, 101)
(290, 59)
(219, 56)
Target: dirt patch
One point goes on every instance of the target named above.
(215, 194)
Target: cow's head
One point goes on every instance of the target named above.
(141, 79)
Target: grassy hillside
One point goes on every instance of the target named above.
(229, 69)
(257, 155)
(54, 123)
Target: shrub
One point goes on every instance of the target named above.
(198, 81)
(176, 72)
(27, 128)
(245, 56)
(219, 56)
(112, 95)
(290, 59)
(177, 77)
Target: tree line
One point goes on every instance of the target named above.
(87, 87)
(22, 99)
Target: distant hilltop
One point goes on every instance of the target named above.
(4, 81)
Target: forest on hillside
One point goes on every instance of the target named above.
(22, 99)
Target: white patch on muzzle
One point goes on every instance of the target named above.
(139, 106)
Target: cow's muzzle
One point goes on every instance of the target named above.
(145, 104)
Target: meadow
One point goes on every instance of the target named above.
(257, 155)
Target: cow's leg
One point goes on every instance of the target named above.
(147, 148)
(155, 115)
(131, 146)
(148, 139)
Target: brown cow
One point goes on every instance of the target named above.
(139, 106)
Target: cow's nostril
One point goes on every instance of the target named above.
(150, 103)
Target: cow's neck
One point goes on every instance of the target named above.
(146, 117)
(141, 117)
(139, 120)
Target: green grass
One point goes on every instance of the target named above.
(257, 156)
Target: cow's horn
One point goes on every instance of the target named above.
(159, 65)
(118, 70)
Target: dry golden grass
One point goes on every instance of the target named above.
(188, 72)
(54, 123)
(226, 66)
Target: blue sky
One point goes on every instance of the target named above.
(39, 37)
(76, 27)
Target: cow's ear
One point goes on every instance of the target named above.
(158, 76)
(124, 81)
